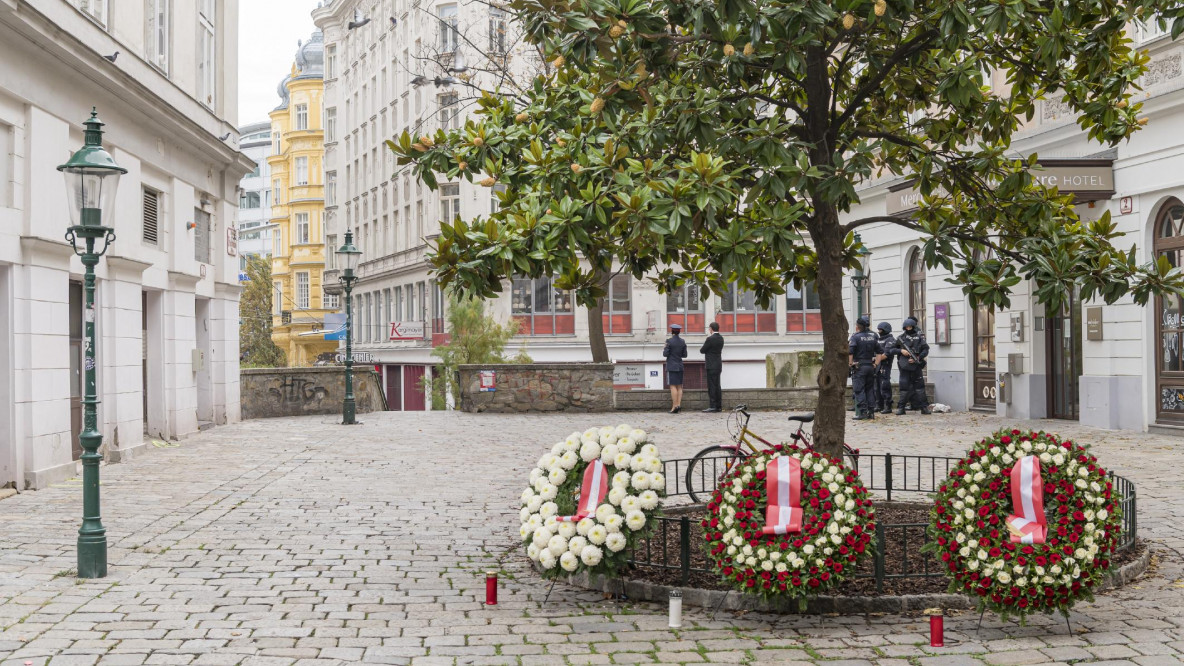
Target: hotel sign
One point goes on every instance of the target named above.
(1086, 180)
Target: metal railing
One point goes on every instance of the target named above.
(886, 474)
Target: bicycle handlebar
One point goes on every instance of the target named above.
(741, 408)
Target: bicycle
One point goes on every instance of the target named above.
(734, 453)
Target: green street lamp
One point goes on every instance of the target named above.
(92, 177)
(860, 280)
(349, 255)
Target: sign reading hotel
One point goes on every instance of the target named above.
(407, 330)
(1087, 180)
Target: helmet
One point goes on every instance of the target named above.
(884, 327)
(909, 323)
(863, 321)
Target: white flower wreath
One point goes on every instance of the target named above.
(600, 541)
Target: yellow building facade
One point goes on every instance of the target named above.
(298, 211)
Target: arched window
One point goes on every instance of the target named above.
(1169, 243)
(917, 287)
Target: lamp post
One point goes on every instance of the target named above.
(349, 255)
(91, 180)
(860, 280)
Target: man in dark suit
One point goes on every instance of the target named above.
(712, 351)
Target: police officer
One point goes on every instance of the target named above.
(911, 350)
(884, 368)
(862, 353)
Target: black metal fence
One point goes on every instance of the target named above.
(670, 548)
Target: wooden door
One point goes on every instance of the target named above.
(413, 388)
(394, 388)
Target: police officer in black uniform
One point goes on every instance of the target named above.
(911, 350)
(884, 369)
(864, 350)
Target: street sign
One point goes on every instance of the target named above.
(488, 380)
(231, 241)
(359, 357)
(243, 276)
(407, 330)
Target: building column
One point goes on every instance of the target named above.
(121, 355)
(41, 363)
(224, 364)
(180, 340)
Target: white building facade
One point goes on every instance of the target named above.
(391, 74)
(167, 296)
(254, 202)
(1111, 366)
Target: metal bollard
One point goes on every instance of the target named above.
(490, 588)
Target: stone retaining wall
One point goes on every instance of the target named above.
(793, 399)
(271, 392)
(537, 387)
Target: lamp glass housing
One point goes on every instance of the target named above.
(91, 189)
(349, 253)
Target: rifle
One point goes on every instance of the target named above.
(919, 362)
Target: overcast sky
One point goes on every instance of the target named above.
(268, 30)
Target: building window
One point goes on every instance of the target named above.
(330, 252)
(397, 313)
(256, 173)
(158, 33)
(449, 111)
(275, 192)
(437, 309)
(423, 305)
(540, 308)
(202, 235)
(449, 202)
(249, 200)
(495, 201)
(917, 287)
(301, 116)
(802, 309)
(206, 61)
(331, 61)
(277, 297)
(330, 188)
(301, 228)
(96, 9)
(1145, 31)
(332, 301)
(151, 226)
(448, 32)
(497, 31)
(302, 171)
(737, 311)
(618, 319)
(330, 124)
(409, 290)
(302, 290)
(684, 306)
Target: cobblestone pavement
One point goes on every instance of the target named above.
(299, 541)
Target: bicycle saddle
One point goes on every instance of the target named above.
(804, 418)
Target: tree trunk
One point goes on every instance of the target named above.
(830, 421)
(596, 332)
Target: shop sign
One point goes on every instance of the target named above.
(487, 380)
(1093, 323)
(407, 330)
(359, 357)
(1087, 180)
(941, 318)
(628, 374)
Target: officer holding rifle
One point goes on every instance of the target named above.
(911, 350)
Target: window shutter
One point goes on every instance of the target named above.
(151, 215)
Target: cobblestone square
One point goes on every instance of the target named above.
(300, 541)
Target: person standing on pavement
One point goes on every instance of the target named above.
(674, 352)
(884, 368)
(712, 351)
(864, 350)
(911, 350)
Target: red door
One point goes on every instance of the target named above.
(412, 379)
(394, 392)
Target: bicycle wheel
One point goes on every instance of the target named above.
(708, 468)
(851, 458)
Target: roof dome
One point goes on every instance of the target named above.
(310, 57)
(282, 89)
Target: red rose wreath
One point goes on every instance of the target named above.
(788, 523)
(1026, 523)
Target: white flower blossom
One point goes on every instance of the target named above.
(591, 555)
(615, 542)
(569, 561)
(635, 520)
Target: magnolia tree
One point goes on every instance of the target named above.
(722, 142)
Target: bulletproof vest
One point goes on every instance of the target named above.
(865, 346)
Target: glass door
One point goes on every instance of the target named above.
(1169, 323)
(984, 357)
(1064, 359)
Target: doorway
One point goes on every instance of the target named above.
(205, 388)
(394, 388)
(76, 375)
(1169, 320)
(1064, 361)
(984, 357)
(414, 400)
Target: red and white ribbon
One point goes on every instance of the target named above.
(783, 482)
(592, 492)
(1027, 500)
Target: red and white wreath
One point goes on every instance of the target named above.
(788, 523)
(1026, 522)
